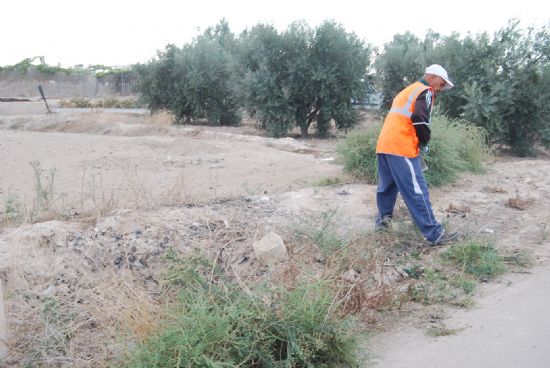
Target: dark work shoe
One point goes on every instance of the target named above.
(447, 238)
(383, 224)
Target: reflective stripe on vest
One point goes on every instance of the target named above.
(406, 109)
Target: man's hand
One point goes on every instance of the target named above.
(424, 150)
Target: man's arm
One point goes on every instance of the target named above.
(421, 117)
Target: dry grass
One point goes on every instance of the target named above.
(105, 123)
(163, 120)
(363, 271)
(457, 209)
(95, 198)
(98, 312)
(518, 202)
(494, 189)
(83, 323)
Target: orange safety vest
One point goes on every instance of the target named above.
(398, 136)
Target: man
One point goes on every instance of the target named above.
(406, 130)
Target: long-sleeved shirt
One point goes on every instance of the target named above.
(422, 115)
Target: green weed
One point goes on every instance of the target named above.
(481, 261)
(455, 146)
(466, 283)
(325, 182)
(433, 288)
(13, 209)
(44, 186)
(325, 237)
(217, 324)
(442, 331)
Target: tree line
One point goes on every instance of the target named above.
(309, 77)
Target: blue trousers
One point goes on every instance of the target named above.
(398, 174)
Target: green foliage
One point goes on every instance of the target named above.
(194, 82)
(263, 67)
(434, 288)
(218, 325)
(303, 77)
(325, 182)
(466, 283)
(325, 237)
(399, 65)
(510, 102)
(479, 260)
(502, 82)
(358, 153)
(13, 209)
(107, 102)
(475, 262)
(455, 146)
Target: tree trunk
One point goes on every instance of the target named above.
(304, 130)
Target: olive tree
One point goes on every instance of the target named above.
(501, 82)
(195, 81)
(303, 76)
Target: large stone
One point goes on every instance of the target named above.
(271, 249)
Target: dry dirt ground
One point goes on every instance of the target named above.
(126, 187)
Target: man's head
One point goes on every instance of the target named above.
(437, 78)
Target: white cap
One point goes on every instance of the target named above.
(438, 70)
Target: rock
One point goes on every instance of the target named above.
(351, 276)
(271, 249)
(48, 234)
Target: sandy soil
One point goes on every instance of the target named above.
(146, 186)
(131, 162)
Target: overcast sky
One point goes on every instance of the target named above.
(123, 32)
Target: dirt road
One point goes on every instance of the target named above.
(508, 328)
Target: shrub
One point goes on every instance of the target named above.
(80, 102)
(113, 102)
(219, 325)
(358, 153)
(455, 146)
